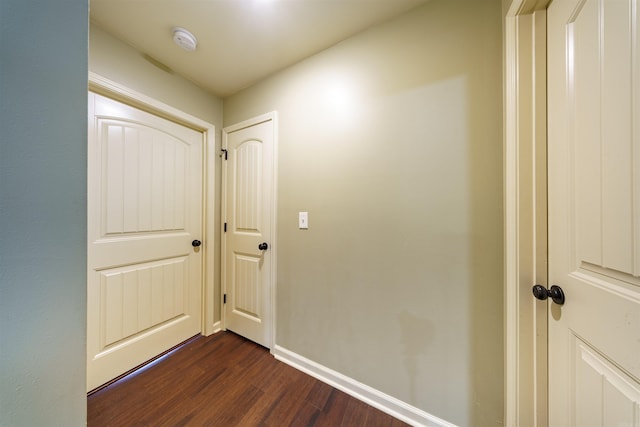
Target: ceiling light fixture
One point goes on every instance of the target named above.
(184, 39)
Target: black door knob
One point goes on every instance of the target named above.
(263, 246)
(555, 293)
(196, 243)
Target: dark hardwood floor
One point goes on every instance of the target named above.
(226, 380)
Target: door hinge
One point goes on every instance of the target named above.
(224, 299)
(224, 153)
(225, 227)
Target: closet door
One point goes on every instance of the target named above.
(144, 279)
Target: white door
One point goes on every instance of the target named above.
(594, 212)
(144, 212)
(248, 210)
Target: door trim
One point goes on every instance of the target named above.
(273, 248)
(525, 327)
(116, 91)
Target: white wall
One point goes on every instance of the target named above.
(43, 118)
(392, 140)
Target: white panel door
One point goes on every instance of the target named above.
(144, 210)
(594, 212)
(248, 209)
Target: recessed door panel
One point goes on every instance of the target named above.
(605, 395)
(137, 298)
(247, 209)
(247, 287)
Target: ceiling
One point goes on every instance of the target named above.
(240, 42)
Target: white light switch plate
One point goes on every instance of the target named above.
(303, 220)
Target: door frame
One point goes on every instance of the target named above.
(103, 86)
(273, 246)
(525, 212)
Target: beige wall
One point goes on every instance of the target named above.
(111, 58)
(392, 140)
(121, 63)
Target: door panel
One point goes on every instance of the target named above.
(138, 297)
(246, 292)
(248, 207)
(594, 212)
(598, 380)
(144, 209)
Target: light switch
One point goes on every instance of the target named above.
(303, 220)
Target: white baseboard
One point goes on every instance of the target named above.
(390, 405)
(215, 328)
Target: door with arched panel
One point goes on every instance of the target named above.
(248, 232)
(144, 278)
(594, 212)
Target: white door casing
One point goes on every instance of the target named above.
(594, 212)
(525, 216)
(249, 209)
(144, 284)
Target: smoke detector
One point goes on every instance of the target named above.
(184, 39)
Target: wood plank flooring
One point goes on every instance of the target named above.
(226, 380)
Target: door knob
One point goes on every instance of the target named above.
(263, 246)
(196, 243)
(555, 293)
